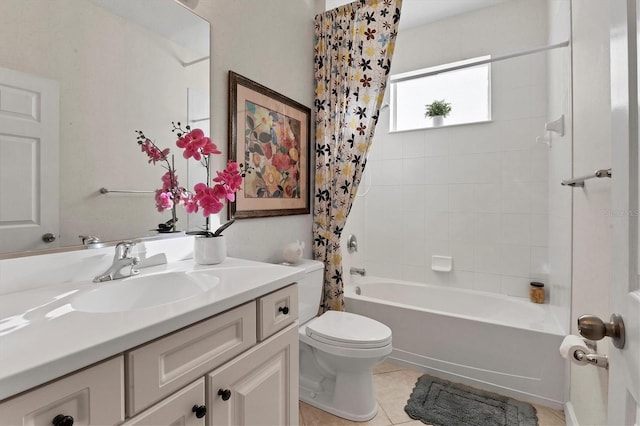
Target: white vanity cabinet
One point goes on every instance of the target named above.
(249, 353)
(93, 396)
(258, 386)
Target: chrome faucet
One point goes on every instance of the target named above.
(357, 271)
(121, 260)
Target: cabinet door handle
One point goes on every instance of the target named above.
(62, 420)
(225, 394)
(200, 410)
(283, 309)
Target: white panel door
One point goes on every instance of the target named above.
(624, 374)
(29, 163)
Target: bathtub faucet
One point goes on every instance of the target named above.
(358, 271)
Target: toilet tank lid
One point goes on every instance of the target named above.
(307, 264)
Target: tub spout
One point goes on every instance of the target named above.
(357, 271)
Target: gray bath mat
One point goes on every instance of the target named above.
(439, 402)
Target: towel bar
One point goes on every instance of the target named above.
(579, 181)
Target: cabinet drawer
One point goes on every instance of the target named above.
(162, 367)
(94, 396)
(175, 410)
(277, 310)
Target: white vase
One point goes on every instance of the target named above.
(209, 250)
(437, 120)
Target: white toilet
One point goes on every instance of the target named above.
(338, 351)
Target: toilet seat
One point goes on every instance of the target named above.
(347, 330)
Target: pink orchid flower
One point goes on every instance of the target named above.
(163, 200)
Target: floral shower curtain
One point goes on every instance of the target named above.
(353, 49)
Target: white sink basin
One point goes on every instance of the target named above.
(145, 291)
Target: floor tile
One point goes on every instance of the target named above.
(387, 367)
(313, 416)
(393, 387)
(549, 417)
(393, 390)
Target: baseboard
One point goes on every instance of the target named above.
(570, 415)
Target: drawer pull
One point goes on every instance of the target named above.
(283, 309)
(62, 420)
(225, 394)
(200, 410)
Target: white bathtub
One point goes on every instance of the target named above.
(498, 343)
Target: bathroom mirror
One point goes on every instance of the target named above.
(77, 78)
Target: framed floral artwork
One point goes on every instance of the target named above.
(269, 136)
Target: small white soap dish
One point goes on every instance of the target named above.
(441, 263)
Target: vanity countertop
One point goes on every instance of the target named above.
(42, 336)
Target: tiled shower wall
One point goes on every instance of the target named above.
(477, 192)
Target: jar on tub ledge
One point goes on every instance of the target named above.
(536, 292)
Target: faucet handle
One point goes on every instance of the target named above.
(124, 248)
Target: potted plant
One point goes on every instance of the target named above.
(210, 196)
(437, 110)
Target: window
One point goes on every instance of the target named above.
(467, 87)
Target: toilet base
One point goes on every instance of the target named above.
(324, 401)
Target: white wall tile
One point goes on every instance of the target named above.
(392, 146)
(461, 279)
(461, 227)
(413, 171)
(413, 144)
(516, 197)
(461, 197)
(487, 198)
(436, 198)
(463, 256)
(516, 166)
(487, 228)
(414, 273)
(540, 230)
(414, 252)
(516, 229)
(517, 134)
(383, 198)
(477, 193)
(539, 261)
(515, 286)
(488, 258)
(516, 260)
(414, 199)
(437, 225)
(487, 282)
(391, 173)
(383, 269)
(540, 197)
(436, 171)
(436, 146)
(437, 278)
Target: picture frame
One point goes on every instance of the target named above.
(269, 136)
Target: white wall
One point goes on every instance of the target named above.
(270, 42)
(476, 192)
(591, 224)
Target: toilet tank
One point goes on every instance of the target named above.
(309, 289)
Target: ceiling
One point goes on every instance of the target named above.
(420, 12)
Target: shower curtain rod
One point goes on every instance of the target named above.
(476, 63)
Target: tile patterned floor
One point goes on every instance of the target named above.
(393, 387)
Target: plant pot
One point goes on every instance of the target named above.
(209, 250)
(438, 120)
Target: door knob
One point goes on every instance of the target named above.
(48, 237)
(593, 328)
